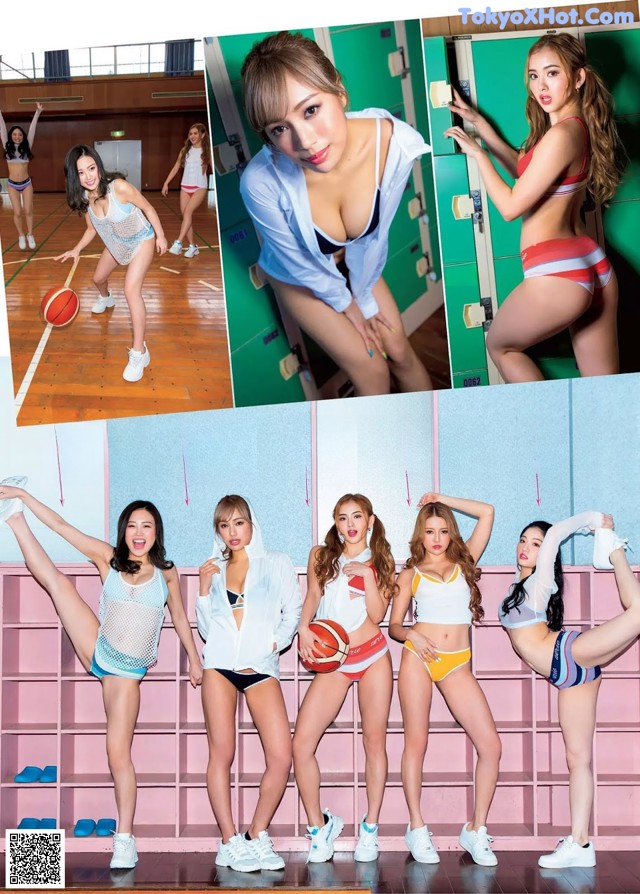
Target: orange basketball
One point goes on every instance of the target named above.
(60, 306)
(332, 652)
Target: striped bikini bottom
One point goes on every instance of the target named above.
(578, 258)
(565, 671)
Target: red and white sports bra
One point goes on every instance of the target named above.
(567, 185)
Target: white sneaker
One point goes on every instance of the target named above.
(262, 848)
(176, 248)
(192, 251)
(605, 540)
(569, 853)
(31, 242)
(138, 361)
(478, 844)
(10, 507)
(102, 302)
(22, 243)
(322, 838)
(236, 854)
(125, 855)
(367, 846)
(419, 843)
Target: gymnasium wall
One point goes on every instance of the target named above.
(571, 445)
(157, 110)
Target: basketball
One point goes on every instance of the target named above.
(331, 653)
(60, 306)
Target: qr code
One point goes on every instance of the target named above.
(34, 859)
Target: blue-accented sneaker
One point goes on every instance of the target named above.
(322, 838)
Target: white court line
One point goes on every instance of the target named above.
(169, 270)
(35, 360)
(31, 260)
(210, 286)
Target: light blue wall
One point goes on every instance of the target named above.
(31, 450)
(371, 445)
(261, 453)
(606, 455)
(493, 442)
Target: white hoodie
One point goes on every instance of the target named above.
(271, 612)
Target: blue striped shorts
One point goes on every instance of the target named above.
(565, 671)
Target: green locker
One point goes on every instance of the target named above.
(360, 53)
(437, 68)
(456, 235)
(463, 296)
(256, 373)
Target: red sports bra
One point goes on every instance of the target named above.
(572, 183)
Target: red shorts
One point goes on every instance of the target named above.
(578, 258)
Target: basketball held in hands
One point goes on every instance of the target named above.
(332, 650)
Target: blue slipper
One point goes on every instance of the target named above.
(29, 774)
(49, 822)
(106, 826)
(29, 822)
(49, 774)
(84, 828)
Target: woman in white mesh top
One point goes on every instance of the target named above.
(130, 229)
(122, 643)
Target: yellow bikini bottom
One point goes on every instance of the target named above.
(444, 664)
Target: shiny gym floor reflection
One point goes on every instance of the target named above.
(392, 873)
(79, 375)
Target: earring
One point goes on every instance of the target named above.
(340, 538)
(368, 537)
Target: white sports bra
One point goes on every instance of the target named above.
(441, 601)
(343, 600)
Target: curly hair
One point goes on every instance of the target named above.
(266, 67)
(595, 106)
(457, 552)
(327, 561)
(517, 593)
(225, 509)
(205, 149)
(120, 560)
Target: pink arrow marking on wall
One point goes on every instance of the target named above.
(306, 485)
(186, 484)
(55, 435)
(406, 478)
(538, 500)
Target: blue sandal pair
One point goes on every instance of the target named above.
(30, 822)
(86, 827)
(35, 774)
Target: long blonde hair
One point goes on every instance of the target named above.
(595, 106)
(457, 552)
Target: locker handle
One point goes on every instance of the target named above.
(462, 207)
(440, 94)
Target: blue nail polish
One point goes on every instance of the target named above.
(370, 352)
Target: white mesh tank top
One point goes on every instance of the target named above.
(123, 229)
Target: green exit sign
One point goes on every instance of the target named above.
(117, 133)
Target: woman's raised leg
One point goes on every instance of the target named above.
(79, 622)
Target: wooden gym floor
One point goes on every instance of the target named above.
(77, 374)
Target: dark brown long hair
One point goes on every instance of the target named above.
(457, 552)
(595, 107)
(327, 563)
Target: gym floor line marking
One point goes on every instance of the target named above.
(52, 258)
(209, 286)
(169, 270)
(39, 351)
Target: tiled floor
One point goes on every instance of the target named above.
(394, 873)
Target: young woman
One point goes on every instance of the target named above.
(532, 615)
(17, 153)
(120, 645)
(572, 146)
(349, 582)
(195, 160)
(441, 577)
(323, 193)
(131, 231)
(248, 612)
